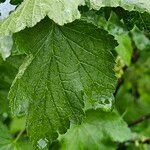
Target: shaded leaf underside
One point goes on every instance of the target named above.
(133, 12)
(137, 5)
(63, 65)
(30, 12)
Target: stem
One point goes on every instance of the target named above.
(143, 118)
(147, 141)
(18, 136)
(135, 56)
(120, 82)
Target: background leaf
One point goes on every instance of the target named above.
(30, 12)
(98, 131)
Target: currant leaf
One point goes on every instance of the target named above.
(63, 66)
(137, 5)
(97, 130)
(30, 12)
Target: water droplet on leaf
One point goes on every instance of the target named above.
(42, 143)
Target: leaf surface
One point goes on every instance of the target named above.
(6, 44)
(8, 70)
(116, 28)
(98, 131)
(16, 2)
(8, 143)
(141, 20)
(63, 65)
(32, 11)
(137, 5)
(142, 42)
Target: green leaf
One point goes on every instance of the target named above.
(32, 11)
(133, 97)
(16, 2)
(98, 131)
(1, 59)
(137, 5)
(17, 124)
(63, 65)
(141, 20)
(6, 44)
(124, 49)
(4, 136)
(141, 41)
(8, 70)
(8, 143)
(116, 28)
